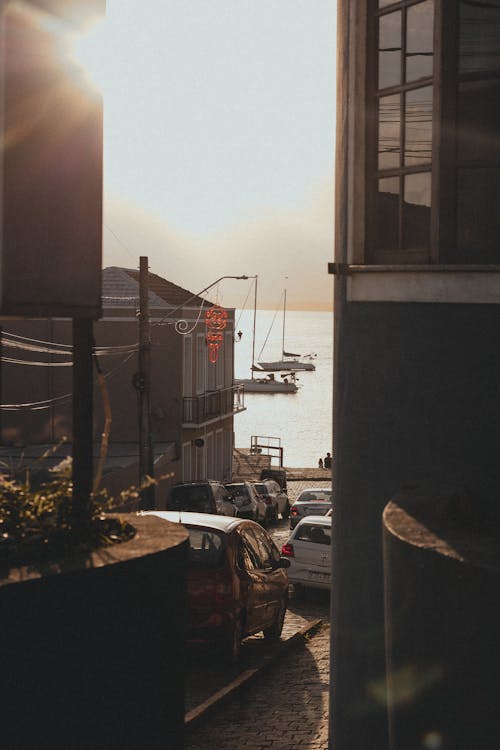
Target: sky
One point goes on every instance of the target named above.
(219, 119)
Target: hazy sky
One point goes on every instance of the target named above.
(219, 138)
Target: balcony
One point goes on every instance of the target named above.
(212, 405)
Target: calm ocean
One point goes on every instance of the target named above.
(302, 420)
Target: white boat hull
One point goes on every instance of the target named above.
(263, 385)
(286, 364)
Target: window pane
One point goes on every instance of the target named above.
(479, 44)
(387, 214)
(478, 217)
(479, 121)
(419, 40)
(418, 126)
(417, 211)
(389, 59)
(384, 3)
(389, 132)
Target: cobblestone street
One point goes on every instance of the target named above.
(285, 707)
(259, 716)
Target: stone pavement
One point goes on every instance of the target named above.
(285, 707)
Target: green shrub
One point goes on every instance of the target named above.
(39, 524)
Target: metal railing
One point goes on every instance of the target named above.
(213, 404)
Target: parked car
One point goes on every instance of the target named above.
(269, 499)
(236, 580)
(278, 474)
(247, 502)
(282, 500)
(309, 552)
(275, 499)
(201, 497)
(314, 501)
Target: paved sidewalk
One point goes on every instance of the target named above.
(285, 707)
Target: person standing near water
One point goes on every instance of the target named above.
(320, 463)
(327, 463)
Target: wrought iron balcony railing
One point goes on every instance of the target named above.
(213, 404)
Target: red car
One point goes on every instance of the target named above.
(237, 580)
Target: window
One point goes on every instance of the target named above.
(432, 138)
(314, 534)
(404, 90)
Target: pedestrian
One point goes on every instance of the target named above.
(320, 463)
(327, 463)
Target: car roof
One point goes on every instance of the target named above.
(316, 520)
(316, 489)
(225, 524)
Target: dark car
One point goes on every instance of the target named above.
(315, 501)
(236, 580)
(201, 497)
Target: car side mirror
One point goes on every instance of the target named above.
(283, 562)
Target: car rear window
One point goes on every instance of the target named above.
(195, 499)
(316, 534)
(318, 496)
(206, 548)
(262, 489)
(237, 489)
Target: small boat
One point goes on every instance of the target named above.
(290, 360)
(268, 383)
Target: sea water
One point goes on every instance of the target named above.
(302, 420)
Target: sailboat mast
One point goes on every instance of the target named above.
(284, 315)
(254, 325)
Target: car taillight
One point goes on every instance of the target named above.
(223, 592)
(267, 500)
(287, 550)
(294, 512)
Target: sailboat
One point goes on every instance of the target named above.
(268, 383)
(290, 360)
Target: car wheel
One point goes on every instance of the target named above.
(274, 631)
(286, 511)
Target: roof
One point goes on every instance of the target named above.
(120, 288)
(225, 524)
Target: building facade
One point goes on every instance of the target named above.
(417, 320)
(193, 399)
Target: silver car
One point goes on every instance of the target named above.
(246, 501)
(313, 501)
(309, 552)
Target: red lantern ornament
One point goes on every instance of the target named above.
(216, 322)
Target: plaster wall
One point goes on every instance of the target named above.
(416, 402)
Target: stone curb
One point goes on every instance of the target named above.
(196, 715)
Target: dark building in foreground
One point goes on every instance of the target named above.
(415, 655)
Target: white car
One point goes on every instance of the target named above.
(309, 552)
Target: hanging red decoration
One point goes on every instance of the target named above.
(216, 322)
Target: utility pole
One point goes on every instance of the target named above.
(142, 382)
(83, 411)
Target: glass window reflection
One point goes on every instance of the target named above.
(417, 211)
(419, 40)
(389, 132)
(389, 67)
(418, 126)
(387, 214)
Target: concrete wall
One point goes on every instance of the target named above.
(95, 655)
(416, 401)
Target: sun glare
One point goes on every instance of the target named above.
(89, 52)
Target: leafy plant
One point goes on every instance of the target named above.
(38, 524)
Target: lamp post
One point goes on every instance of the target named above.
(142, 379)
